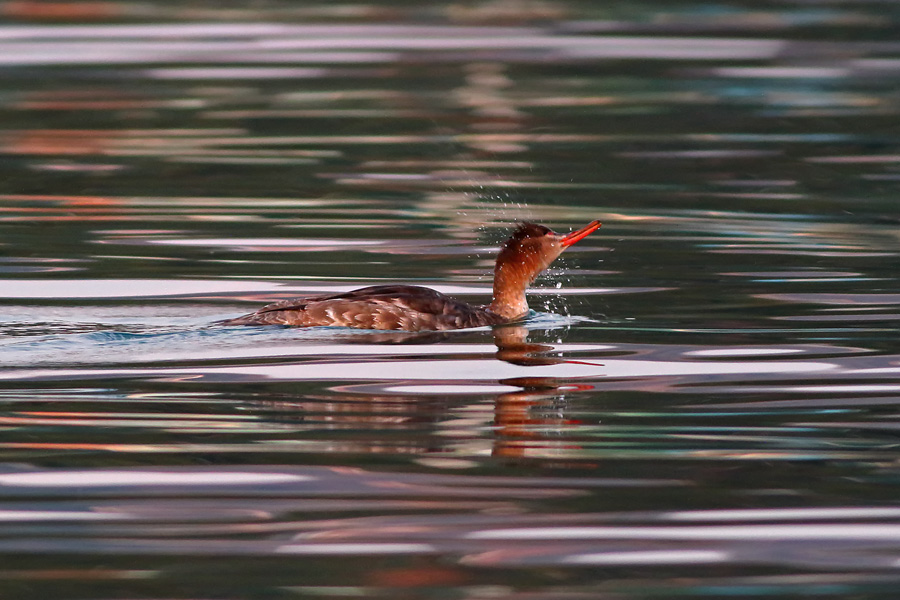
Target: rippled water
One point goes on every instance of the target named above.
(704, 403)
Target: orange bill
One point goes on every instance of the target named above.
(576, 236)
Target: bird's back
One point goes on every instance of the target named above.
(392, 307)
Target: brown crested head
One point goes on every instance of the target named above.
(536, 246)
(527, 229)
(530, 249)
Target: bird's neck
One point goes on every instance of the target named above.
(510, 282)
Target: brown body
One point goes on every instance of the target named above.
(529, 251)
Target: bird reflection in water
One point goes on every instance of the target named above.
(451, 424)
(516, 416)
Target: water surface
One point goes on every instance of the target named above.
(703, 404)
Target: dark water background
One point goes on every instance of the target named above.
(706, 402)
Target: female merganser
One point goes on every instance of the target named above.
(529, 251)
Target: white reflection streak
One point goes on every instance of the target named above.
(199, 352)
(650, 557)
(492, 370)
(137, 288)
(300, 243)
(748, 352)
(444, 370)
(834, 389)
(237, 73)
(265, 43)
(359, 548)
(61, 515)
(716, 533)
(784, 72)
(124, 288)
(80, 479)
(246, 30)
(783, 514)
